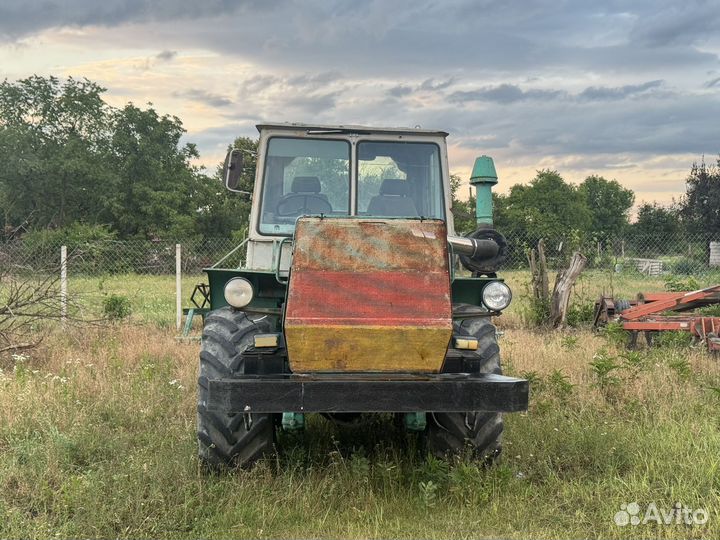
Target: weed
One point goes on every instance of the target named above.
(569, 343)
(559, 385)
(604, 368)
(681, 366)
(116, 307)
(428, 493)
(615, 333)
(673, 339)
(679, 284)
(580, 313)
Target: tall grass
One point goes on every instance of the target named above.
(97, 440)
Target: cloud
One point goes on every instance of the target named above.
(503, 93)
(21, 17)
(712, 83)
(607, 93)
(166, 55)
(203, 96)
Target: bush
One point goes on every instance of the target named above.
(580, 313)
(678, 284)
(116, 307)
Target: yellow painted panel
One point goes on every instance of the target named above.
(366, 348)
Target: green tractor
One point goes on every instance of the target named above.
(348, 300)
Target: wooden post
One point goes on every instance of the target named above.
(63, 283)
(178, 286)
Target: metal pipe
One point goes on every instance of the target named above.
(474, 248)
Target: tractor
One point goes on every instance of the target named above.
(351, 298)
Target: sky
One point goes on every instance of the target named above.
(626, 90)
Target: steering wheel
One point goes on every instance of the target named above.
(299, 205)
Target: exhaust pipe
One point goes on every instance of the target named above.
(477, 249)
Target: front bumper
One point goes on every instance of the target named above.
(396, 392)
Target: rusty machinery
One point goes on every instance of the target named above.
(664, 311)
(348, 300)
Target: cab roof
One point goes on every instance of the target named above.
(348, 128)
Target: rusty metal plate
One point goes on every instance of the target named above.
(368, 295)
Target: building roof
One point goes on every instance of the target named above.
(348, 128)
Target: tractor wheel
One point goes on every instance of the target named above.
(226, 438)
(477, 431)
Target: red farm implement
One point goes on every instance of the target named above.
(657, 312)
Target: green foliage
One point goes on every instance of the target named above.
(559, 385)
(116, 307)
(569, 343)
(673, 339)
(701, 205)
(535, 311)
(548, 207)
(656, 221)
(609, 204)
(463, 210)
(685, 267)
(680, 284)
(580, 313)
(72, 236)
(70, 158)
(615, 333)
(604, 367)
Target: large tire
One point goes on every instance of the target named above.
(225, 438)
(477, 431)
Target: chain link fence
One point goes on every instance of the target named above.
(650, 255)
(145, 271)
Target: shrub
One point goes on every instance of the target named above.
(678, 284)
(580, 313)
(116, 307)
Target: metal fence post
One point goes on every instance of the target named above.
(178, 286)
(63, 283)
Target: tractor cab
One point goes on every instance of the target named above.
(348, 299)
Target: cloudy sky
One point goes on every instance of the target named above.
(629, 90)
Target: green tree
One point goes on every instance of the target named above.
(547, 207)
(657, 229)
(53, 136)
(156, 191)
(700, 207)
(227, 213)
(463, 211)
(609, 204)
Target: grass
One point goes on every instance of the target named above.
(97, 440)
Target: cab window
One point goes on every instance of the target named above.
(303, 177)
(399, 179)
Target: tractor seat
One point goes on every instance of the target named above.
(393, 200)
(304, 198)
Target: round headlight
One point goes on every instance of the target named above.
(238, 292)
(496, 296)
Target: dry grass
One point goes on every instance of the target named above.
(97, 440)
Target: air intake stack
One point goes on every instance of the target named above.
(483, 177)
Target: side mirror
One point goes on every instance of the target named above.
(232, 170)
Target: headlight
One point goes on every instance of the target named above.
(496, 296)
(238, 292)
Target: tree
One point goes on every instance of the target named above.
(701, 205)
(228, 213)
(657, 229)
(155, 191)
(53, 135)
(548, 207)
(463, 211)
(609, 204)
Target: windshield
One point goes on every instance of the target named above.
(303, 177)
(399, 179)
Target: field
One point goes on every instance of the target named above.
(97, 439)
